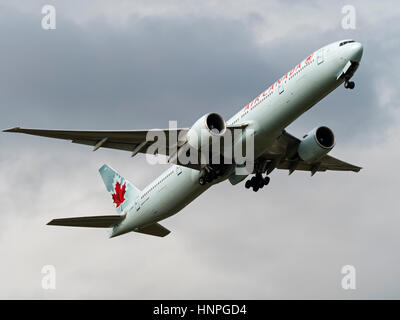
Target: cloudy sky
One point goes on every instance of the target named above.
(136, 64)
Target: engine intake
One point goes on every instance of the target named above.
(215, 123)
(208, 126)
(317, 143)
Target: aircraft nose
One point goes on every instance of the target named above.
(356, 51)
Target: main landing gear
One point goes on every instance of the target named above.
(257, 182)
(349, 84)
(211, 173)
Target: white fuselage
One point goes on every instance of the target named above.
(268, 114)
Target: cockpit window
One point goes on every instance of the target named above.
(345, 42)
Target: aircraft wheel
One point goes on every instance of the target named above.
(267, 180)
(202, 181)
(248, 184)
(349, 84)
(255, 188)
(260, 182)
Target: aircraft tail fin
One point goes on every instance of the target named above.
(123, 193)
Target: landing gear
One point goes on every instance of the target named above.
(349, 84)
(257, 182)
(210, 177)
(202, 181)
(212, 173)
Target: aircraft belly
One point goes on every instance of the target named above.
(168, 200)
(179, 193)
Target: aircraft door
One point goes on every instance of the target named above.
(137, 205)
(281, 86)
(178, 170)
(320, 56)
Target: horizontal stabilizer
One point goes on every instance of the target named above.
(154, 229)
(88, 222)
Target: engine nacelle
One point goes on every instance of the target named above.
(317, 143)
(208, 126)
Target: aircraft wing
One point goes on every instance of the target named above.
(283, 155)
(133, 140)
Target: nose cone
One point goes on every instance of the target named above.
(356, 51)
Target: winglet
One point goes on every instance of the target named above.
(15, 129)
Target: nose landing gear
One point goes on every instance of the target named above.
(349, 84)
(257, 182)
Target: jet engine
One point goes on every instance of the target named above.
(209, 126)
(317, 143)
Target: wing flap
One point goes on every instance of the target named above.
(88, 222)
(324, 164)
(331, 163)
(109, 145)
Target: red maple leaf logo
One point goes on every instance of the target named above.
(118, 196)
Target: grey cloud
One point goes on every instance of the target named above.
(269, 248)
(101, 76)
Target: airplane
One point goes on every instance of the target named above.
(266, 117)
